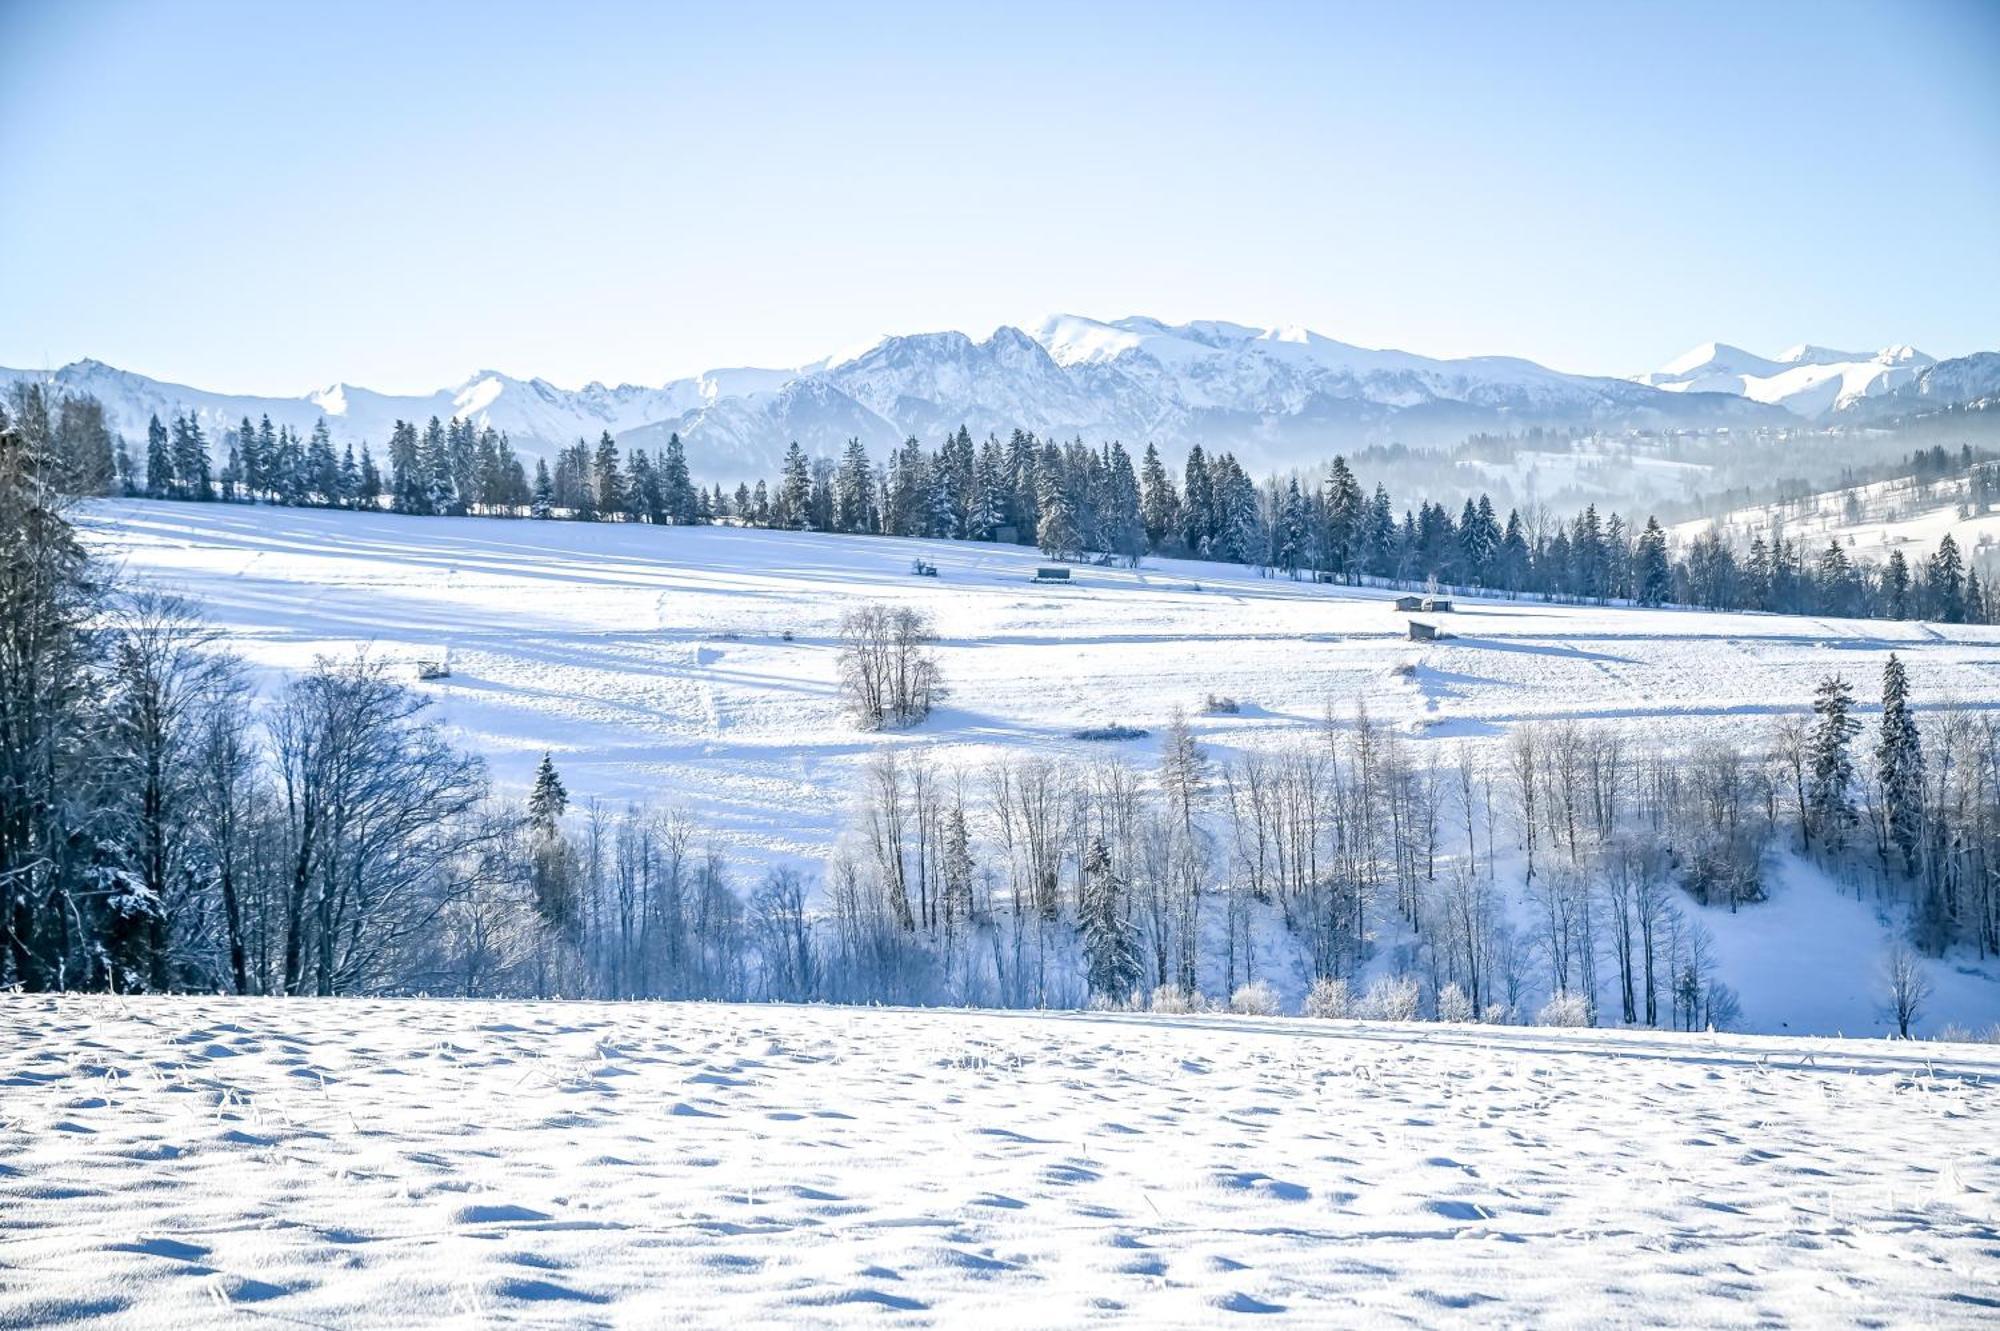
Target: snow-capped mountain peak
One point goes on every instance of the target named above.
(1806, 380)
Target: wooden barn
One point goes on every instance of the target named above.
(1437, 605)
(1409, 602)
(1422, 632)
(1051, 575)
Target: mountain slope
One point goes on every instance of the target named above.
(1275, 396)
(1807, 380)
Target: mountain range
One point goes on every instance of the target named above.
(1275, 396)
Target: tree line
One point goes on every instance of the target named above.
(165, 827)
(1068, 500)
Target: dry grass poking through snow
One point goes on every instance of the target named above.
(205, 1162)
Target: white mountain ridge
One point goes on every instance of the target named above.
(1807, 380)
(1275, 396)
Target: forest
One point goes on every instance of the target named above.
(1069, 500)
(164, 827)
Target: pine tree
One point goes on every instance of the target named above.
(542, 504)
(1198, 519)
(795, 494)
(548, 799)
(1159, 504)
(191, 460)
(676, 489)
(1110, 945)
(1899, 763)
(160, 483)
(1947, 583)
(1653, 575)
(1056, 534)
(610, 479)
(1895, 585)
(1829, 784)
(249, 459)
(1341, 541)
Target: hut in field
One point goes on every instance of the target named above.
(1437, 605)
(1422, 632)
(1409, 602)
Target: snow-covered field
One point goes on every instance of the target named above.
(653, 661)
(655, 664)
(193, 1163)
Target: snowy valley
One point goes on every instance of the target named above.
(695, 669)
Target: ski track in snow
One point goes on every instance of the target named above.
(203, 1162)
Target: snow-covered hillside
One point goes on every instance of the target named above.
(191, 1162)
(1868, 521)
(696, 667)
(1278, 397)
(1806, 380)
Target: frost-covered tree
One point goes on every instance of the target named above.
(1899, 765)
(1830, 778)
(1110, 944)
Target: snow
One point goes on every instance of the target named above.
(178, 1162)
(1807, 380)
(653, 663)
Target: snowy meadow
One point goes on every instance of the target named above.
(189, 1162)
(695, 669)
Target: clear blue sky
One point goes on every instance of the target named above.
(266, 197)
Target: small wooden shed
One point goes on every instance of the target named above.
(1422, 632)
(1409, 602)
(1046, 574)
(1437, 605)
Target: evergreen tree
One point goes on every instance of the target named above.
(1056, 534)
(542, 504)
(1112, 958)
(370, 493)
(191, 460)
(609, 479)
(1899, 764)
(1895, 586)
(548, 798)
(795, 493)
(1653, 574)
(1342, 541)
(676, 489)
(1947, 583)
(249, 459)
(1830, 781)
(1159, 505)
(160, 482)
(1198, 517)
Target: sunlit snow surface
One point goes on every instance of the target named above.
(195, 1163)
(653, 663)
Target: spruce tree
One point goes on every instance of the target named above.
(548, 799)
(1110, 945)
(610, 479)
(1653, 576)
(1899, 763)
(1829, 783)
(676, 490)
(159, 462)
(795, 494)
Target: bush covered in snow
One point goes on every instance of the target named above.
(1216, 704)
(1564, 1009)
(1110, 732)
(1172, 998)
(1453, 1005)
(1395, 998)
(1329, 998)
(1255, 999)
